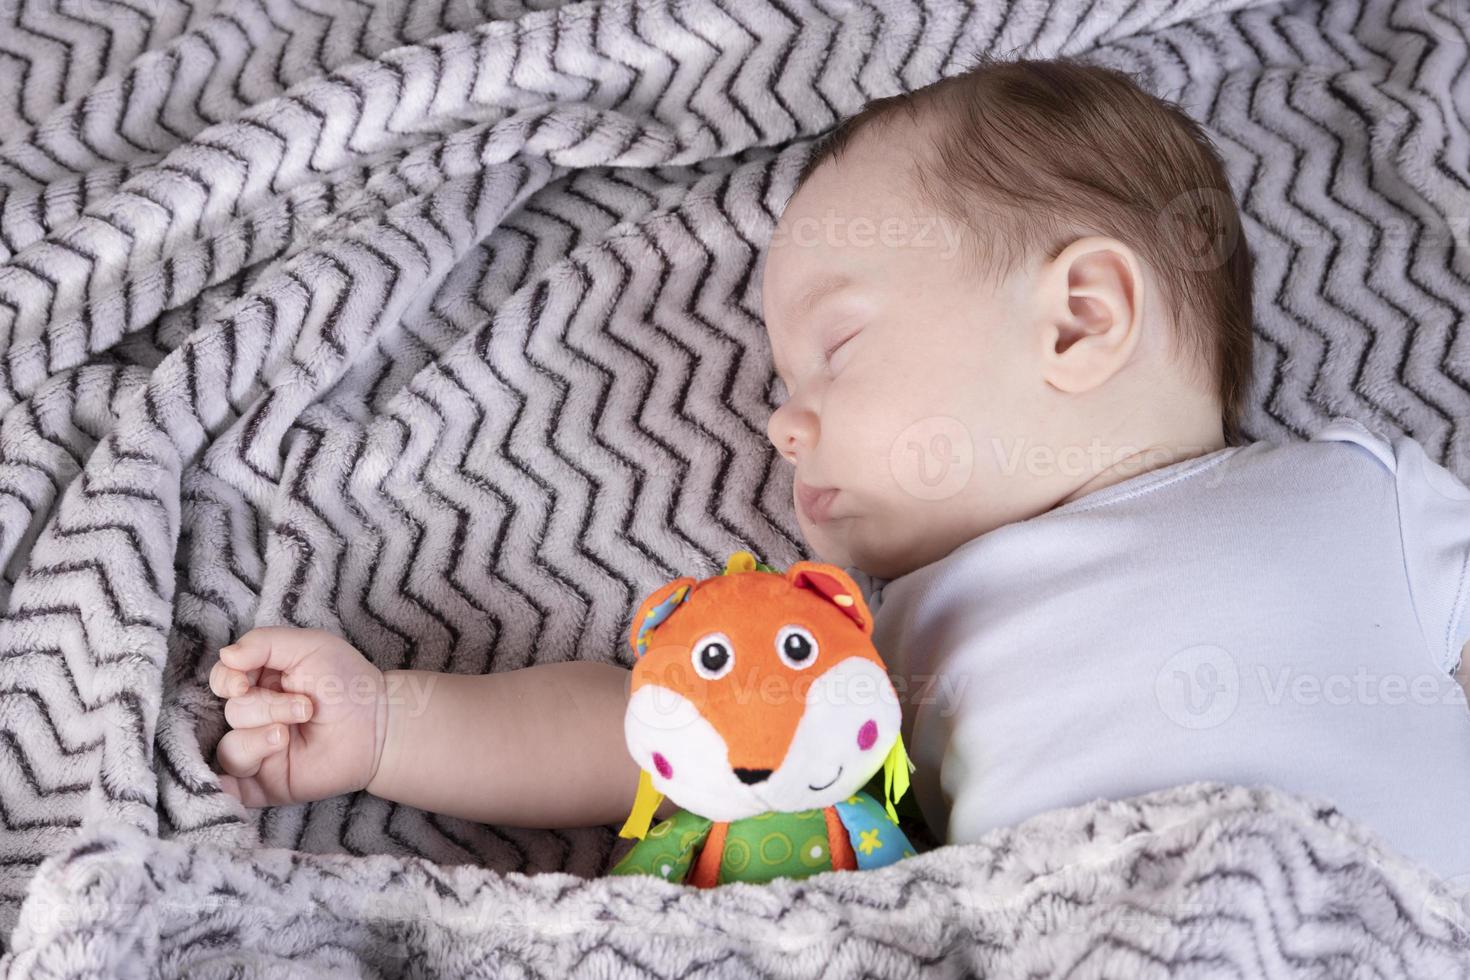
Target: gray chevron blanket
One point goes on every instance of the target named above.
(437, 324)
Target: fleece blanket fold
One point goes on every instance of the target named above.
(437, 324)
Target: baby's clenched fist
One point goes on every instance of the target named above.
(307, 714)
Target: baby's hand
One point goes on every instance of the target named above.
(273, 755)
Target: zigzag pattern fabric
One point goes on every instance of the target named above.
(1197, 881)
(437, 324)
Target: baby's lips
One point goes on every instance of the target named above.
(815, 502)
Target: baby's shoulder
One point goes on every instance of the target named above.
(1351, 432)
(1412, 468)
(1345, 471)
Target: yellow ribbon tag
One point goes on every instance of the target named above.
(644, 804)
(740, 561)
(896, 769)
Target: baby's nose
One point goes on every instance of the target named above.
(790, 428)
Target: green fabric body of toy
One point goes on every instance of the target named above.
(668, 850)
(776, 845)
(761, 848)
(757, 849)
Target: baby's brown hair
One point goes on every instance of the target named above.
(1029, 155)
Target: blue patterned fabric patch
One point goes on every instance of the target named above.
(876, 840)
(657, 615)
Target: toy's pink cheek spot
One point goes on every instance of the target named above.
(667, 771)
(867, 735)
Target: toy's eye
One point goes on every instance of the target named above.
(713, 656)
(796, 647)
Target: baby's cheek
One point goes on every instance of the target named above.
(873, 543)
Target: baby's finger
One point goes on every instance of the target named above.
(261, 707)
(248, 791)
(276, 647)
(227, 683)
(242, 750)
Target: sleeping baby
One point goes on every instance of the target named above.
(1011, 314)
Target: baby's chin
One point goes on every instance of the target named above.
(825, 542)
(849, 543)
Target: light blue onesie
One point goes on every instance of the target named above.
(1269, 614)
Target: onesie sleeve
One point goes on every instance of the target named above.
(1434, 528)
(1434, 520)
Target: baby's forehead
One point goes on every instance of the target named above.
(849, 229)
(863, 182)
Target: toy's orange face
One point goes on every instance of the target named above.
(761, 692)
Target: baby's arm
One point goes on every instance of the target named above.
(538, 747)
(541, 746)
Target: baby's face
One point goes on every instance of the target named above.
(911, 387)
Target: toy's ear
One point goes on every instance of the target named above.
(836, 586)
(655, 609)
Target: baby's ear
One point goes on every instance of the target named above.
(654, 610)
(834, 585)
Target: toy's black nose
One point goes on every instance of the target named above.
(752, 776)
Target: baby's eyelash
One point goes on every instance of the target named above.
(839, 345)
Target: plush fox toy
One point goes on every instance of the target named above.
(760, 706)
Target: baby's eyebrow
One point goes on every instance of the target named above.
(822, 287)
(816, 291)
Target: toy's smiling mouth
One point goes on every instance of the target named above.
(818, 789)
